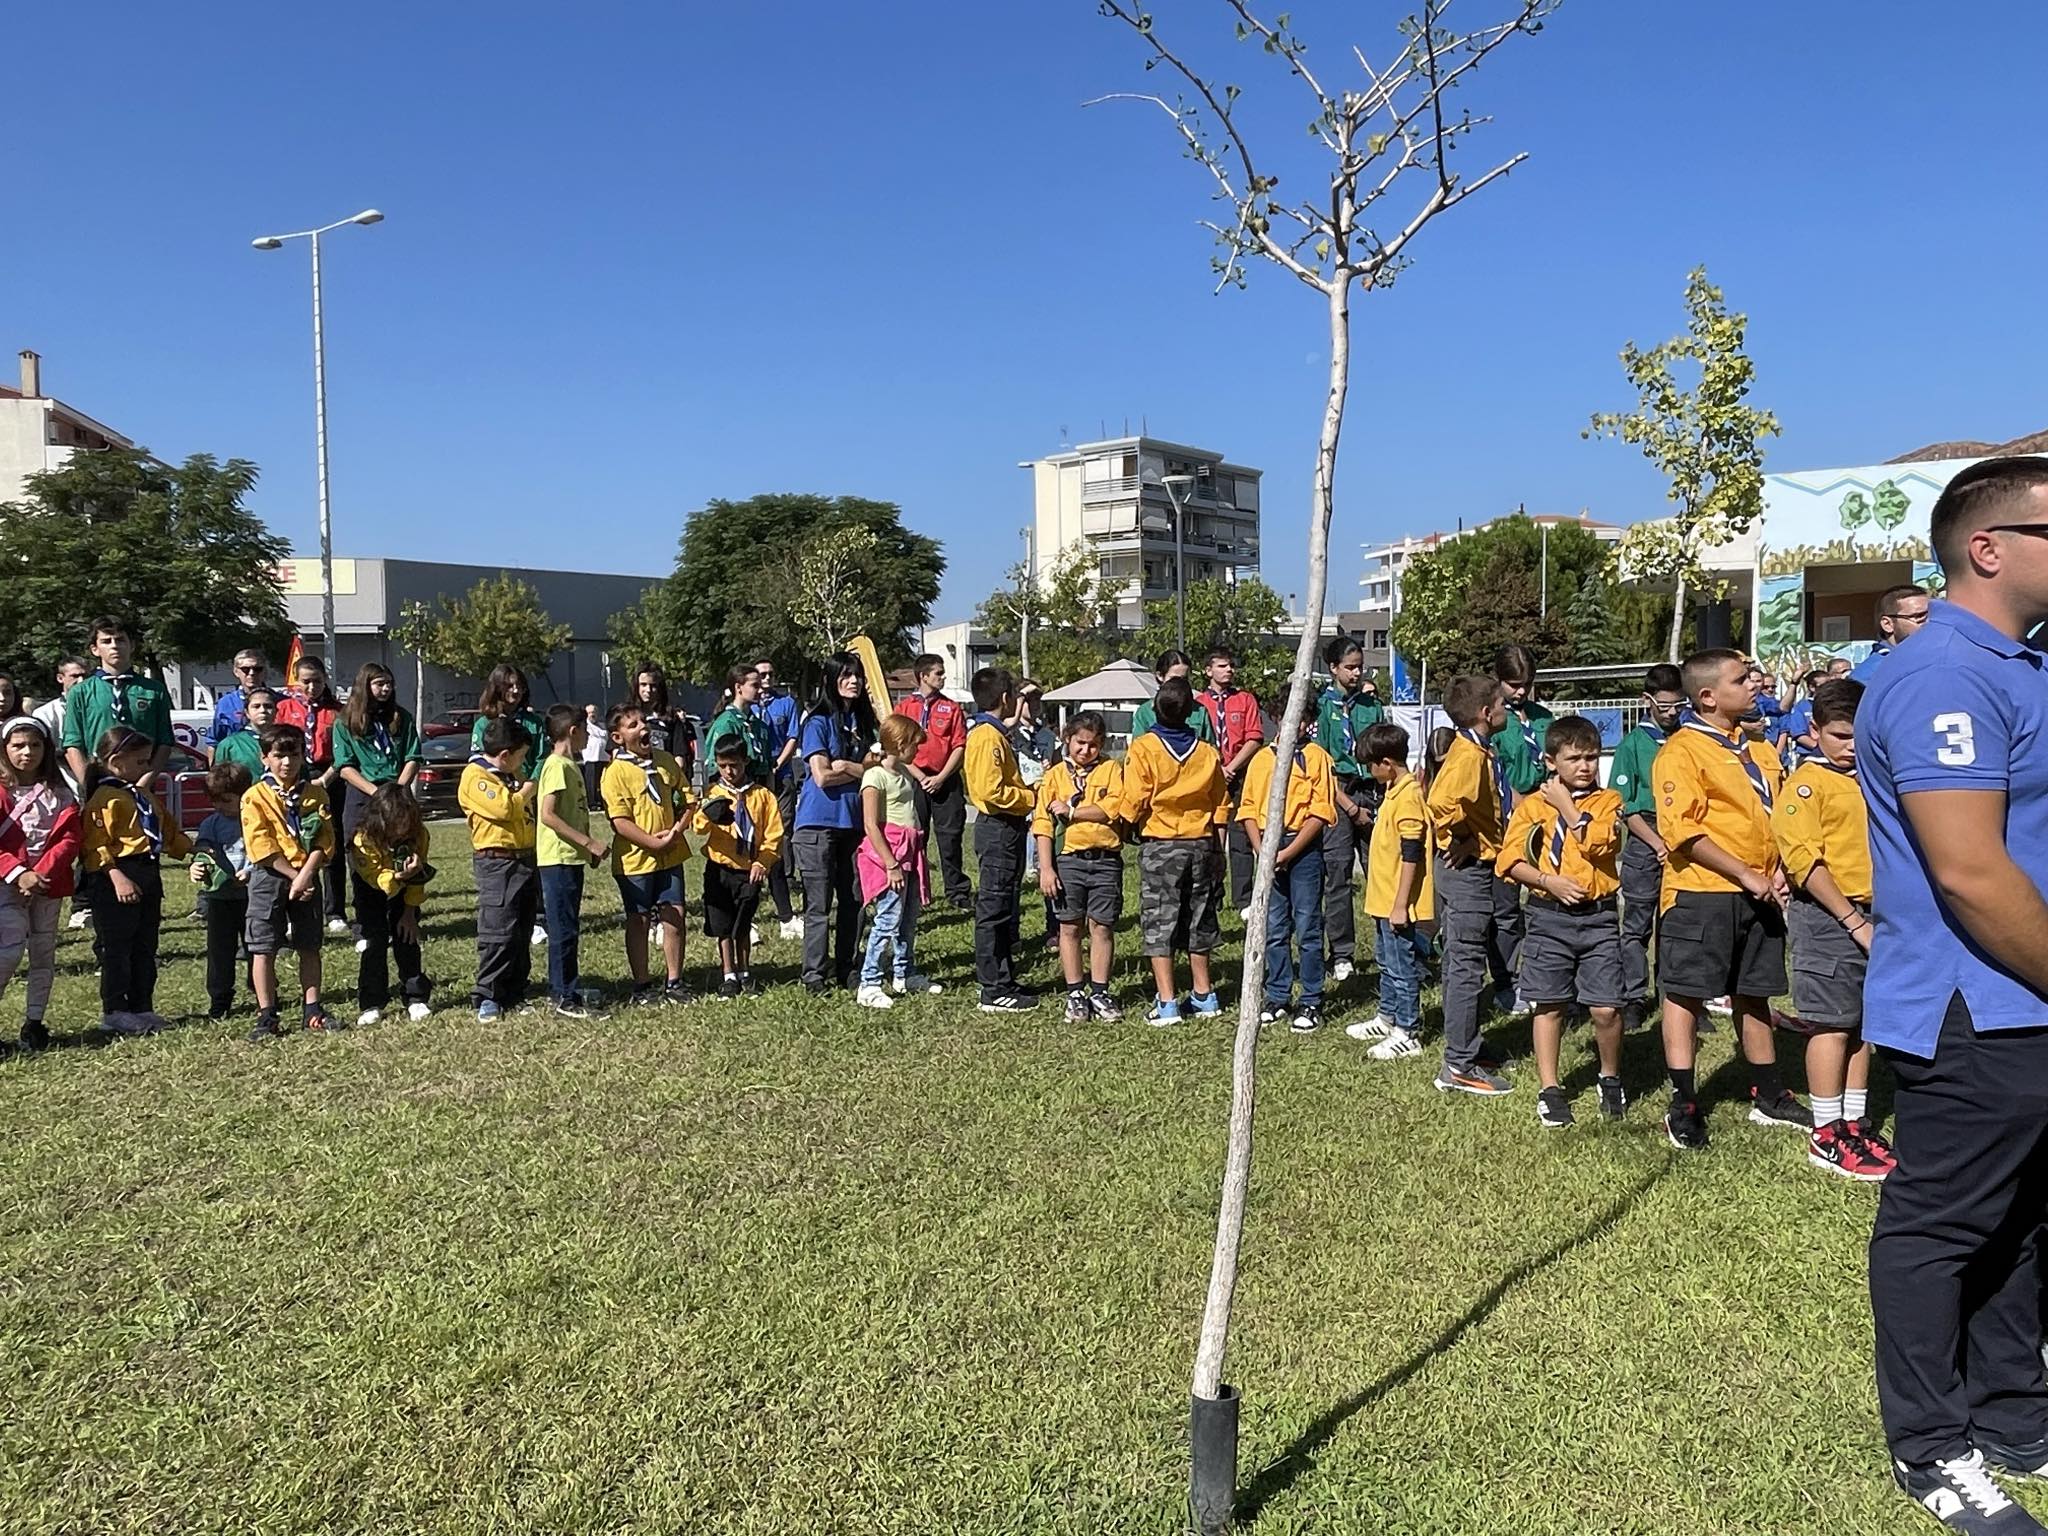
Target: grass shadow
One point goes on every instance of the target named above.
(1286, 1469)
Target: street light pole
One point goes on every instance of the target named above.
(1180, 565)
(271, 243)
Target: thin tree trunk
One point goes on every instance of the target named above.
(1237, 1164)
(1677, 618)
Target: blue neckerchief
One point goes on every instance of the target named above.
(657, 786)
(742, 823)
(288, 798)
(117, 684)
(1847, 773)
(983, 717)
(1740, 748)
(927, 702)
(504, 778)
(1179, 741)
(1500, 768)
(1557, 835)
(145, 813)
(380, 733)
(1657, 732)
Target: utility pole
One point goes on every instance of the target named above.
(1030, 586)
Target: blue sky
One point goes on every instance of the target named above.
(637, 257)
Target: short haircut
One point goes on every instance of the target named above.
(1989, 491)
(1514, 663)
(1467, 700)
(1571, 732)
(1814, 678)
(250, 695)
(1384, 743)
(619, 713)
(251, 658)
(1220, 653)
(991, 686)
(732, 747)
(1172, 702)
(1663, 678)
(74, 661)
(1892, 599)
(1836, 699)
(1336, 650)
(740, 674)
(107, 625)
(560, 721)
(224, 781)
(1703, 668)
(925, 663)
(1086, 720)
(288, 739)
(900, 735)
(501, 735)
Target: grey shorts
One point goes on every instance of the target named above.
(1177, 896)
(1572, 954)
(1827, 968)
(1091, 886)
(1721, 944)
(275, 924)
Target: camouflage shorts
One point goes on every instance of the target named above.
(1177, 892)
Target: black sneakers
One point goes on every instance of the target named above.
(1963, 1497)
(1685, 1125)
(35, 1035)
(1782, 1109)
(1613, 1098)
(2029, 1460)
(1008, 1000)
(1553, 1109)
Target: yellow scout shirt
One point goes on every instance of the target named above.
(1402, 818)
(653, 795)
(1465, 797)
(114, 828)
(378, 867)
(267, 829)
(994, 784)
(1593, 860)
(1703, 790)
(1170, 798)
(1311, 787)
(1102, 787)
(722, 843)
(1821, 818)
(500, 813)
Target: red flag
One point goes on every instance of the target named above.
(291, 660)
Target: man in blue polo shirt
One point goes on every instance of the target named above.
(1900, 613)
(1954, 762)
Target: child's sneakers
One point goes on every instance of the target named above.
(1684, 1126)
(646, 994)
(748, 986)
(35, 1035)
(1164, 1011)
(917, 983)
(1008, 1000)
(1613, 1098)
(1477, 1079)
(1306, 1021)
(675, 994)
(728, 988)
(873, 995)
(570, 1007)
(368, 1017)
(1398, 1046)
(1205, 1005)
(793, 929)
(1553, 1109)
(1780, 1109)
(419, 1013)
(1874, 1143)
(1342, 970)
(267, 1029)
(318, 1018)
(488, 1012)
(1103, 1008)
(1378, 1028)
(1837, 1149)
(123, 1024)
(1077, 1006)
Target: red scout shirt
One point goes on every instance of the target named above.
(945, 728)
(1236, 717)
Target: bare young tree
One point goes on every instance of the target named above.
(1383, 140)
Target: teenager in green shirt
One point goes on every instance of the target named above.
(1521, 745)
(1642, 856)
(738, 719)
(1173, 664)
(259, 708)
(114, 696)
(507, 695)
(375, 742)
(1345, 711)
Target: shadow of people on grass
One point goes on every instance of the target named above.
(1284, 1470)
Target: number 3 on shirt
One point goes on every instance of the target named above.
(1958, 734)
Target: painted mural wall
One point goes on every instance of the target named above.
(1837, 517)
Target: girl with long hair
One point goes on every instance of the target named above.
(668, 729)
(509, 696)
(387, 854)
(835, 737)
(375, 743)
(40, 828)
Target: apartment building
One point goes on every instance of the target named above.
(38, 434)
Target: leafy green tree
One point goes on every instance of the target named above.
(1595, 631)
(414, 634)
(1244, 615)
(170, 549)
(834, 579)
(736, 574)
(1071, 632)
(498, 620)
(1705, 440)
(1463, 600)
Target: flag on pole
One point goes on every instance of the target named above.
(291, 660)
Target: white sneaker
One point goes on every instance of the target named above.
(1244, 914)
(336, 925)
(1396, 1047)
(362, 946)
(1342, 971)
(918, 982)
(1719, 1007)
(874, 997)
(540, 936)
(81, 918)
(793, 929)
(418, 1011)
(368, 1017)
(1370, 1029)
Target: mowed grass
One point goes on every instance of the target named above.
(787, 1265)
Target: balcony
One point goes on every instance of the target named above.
(1122, 487)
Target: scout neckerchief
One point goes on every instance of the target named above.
(1740, 748)
(1180, 742)
(927, 702)
(380, 729)
(1656, 732)
(985, 718)
(510, 781)
(1079, 777)
(1528, 731)
(657, 786)
(1494, 761)
(743, 824)
(1558, 829)
(117, 684)
(1220, 697)
(289, 799)
(145, 813)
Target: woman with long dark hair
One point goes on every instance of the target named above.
(508, 696)
(834, 736)
(375, 743)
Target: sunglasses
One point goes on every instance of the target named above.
(2038, 530)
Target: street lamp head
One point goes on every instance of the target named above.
(268, 243)
(1179, 482)
(368, 216)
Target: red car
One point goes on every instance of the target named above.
(182, 786)
(456, 722)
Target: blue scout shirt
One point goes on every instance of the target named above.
(839, 806)
(779, 713)
(1963, 707)
(1865, 671)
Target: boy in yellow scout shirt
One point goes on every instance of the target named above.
(1003, 801)
(647, 796)
(1823, 831)
(740, 824)
(1467, 804)
(288, 836)
(1081, 862)
(1399, 895)
(126, 832)
(1174, 794)
(1722, 923)
(1294, 907)
(1564, 843)
(497, 797)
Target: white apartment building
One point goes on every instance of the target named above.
(38, 434)
(1113, 495)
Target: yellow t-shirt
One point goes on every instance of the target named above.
(500, 812)
(722, 841)
(1311, 788)
(995, 785)
(1464, 797)
(1593, 860)
(1704, 791)
(267, 832)
(1168, 798)
(113, 828)
(378, 867)
(1104, 787)
(654, 795)
(1403, 818)
(1821, 818)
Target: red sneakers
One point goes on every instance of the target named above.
(1874, 1143)
(1840, 1150)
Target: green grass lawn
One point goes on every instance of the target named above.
(790, 1265)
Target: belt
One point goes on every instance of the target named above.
(1576, 908)
(1091, 853)
(506, 855)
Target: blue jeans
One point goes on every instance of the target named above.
(561, 903)
(894, 923)
(1295, 911)
(1404, 960)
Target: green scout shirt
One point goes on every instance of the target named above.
(1341, 724)
(1145, 717)
(241, 747)
(379, 762)
(734, 721)
(93, 708)
(1520, 745)
(1630, 777)
(529, 721)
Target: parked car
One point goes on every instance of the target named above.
(453, 722)
(446, 755)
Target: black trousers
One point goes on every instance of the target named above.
(784, 875)
(379, 916)
(999, 850)
(944, 818)
(1953, 1286)
(507, 898)
(824, 857)
(125, 936)
(224, 923)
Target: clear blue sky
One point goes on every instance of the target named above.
(637, 257)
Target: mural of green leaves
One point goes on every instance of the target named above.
(1855, 509)
(1891, 505)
